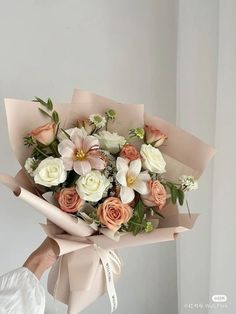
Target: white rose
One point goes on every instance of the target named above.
(50, 172)
(91, 186)
(152, 159)
(111, 141)
(29, 165)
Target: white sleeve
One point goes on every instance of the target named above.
(21, 293)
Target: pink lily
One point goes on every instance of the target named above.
(81, 153)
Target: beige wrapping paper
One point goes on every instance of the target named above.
(77, 279)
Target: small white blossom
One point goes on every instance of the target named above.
(188, 183)
(29, 166)
(98, 120)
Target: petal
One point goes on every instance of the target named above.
(144, 176)
(68, 163)
(140, 186)
(66, 148)
(121, 177)
(90, 142)
(135, 167)
(126, 194)
(76, 138)
(82, 167)
(122, 165)
(96, 162)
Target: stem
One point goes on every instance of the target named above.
(41, 152)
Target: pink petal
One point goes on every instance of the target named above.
(82, 167)
(90, 142)
(66, 148)
(126, 194)
(77, 138)
(96, 162)
(68, 163)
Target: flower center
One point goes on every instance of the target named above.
(130, 180)
(80, 155)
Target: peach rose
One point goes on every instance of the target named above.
(157, 195)
(154, 136)
(113, 213)
(130, 152)
(69, 200)
(45, 134)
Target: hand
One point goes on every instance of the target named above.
(43, 257)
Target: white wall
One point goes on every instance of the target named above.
(196, 98)
(122, 49)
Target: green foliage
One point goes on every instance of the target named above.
(138, 222)
(177, 194)
(48, 111)
(29, 141)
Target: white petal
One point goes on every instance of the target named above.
(126, 194)
(66, 148)
(121, 177)
(68, 163)
(140, 186)
(122, 164)
(144, 176)
(135, 167)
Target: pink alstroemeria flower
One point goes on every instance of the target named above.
(80, 153)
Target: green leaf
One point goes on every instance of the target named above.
(42, 102)
(49, 104)
(174, 194)
(44, 112)
(55, 117)
(180, 196)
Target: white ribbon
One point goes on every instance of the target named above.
(111, 264)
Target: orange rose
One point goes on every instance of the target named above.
(154, 136)
(130, 152)
(44, 134)
(157, 195)
(69, 200)
(113, 213)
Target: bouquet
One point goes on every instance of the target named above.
(105, 179)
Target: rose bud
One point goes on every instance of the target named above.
(154, 136)
(157, 195)
(69, 200)
(113, 213)
(44, 134)
(130, 152)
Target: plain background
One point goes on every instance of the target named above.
(178, 58)
(121, 49)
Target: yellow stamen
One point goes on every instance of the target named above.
(80, 155)
(130, 180)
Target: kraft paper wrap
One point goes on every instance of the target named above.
(77, 278)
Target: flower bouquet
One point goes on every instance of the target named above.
(105, 179)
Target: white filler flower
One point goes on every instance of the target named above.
(152, 159)
(91, 186)
(188, 183)
(98, 120)
(29, 166)
(50, 172)
(111, 141)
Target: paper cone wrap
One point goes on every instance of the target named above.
(77, 279)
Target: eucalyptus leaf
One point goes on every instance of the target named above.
(55, 117)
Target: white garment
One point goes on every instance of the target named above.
(21, 293)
